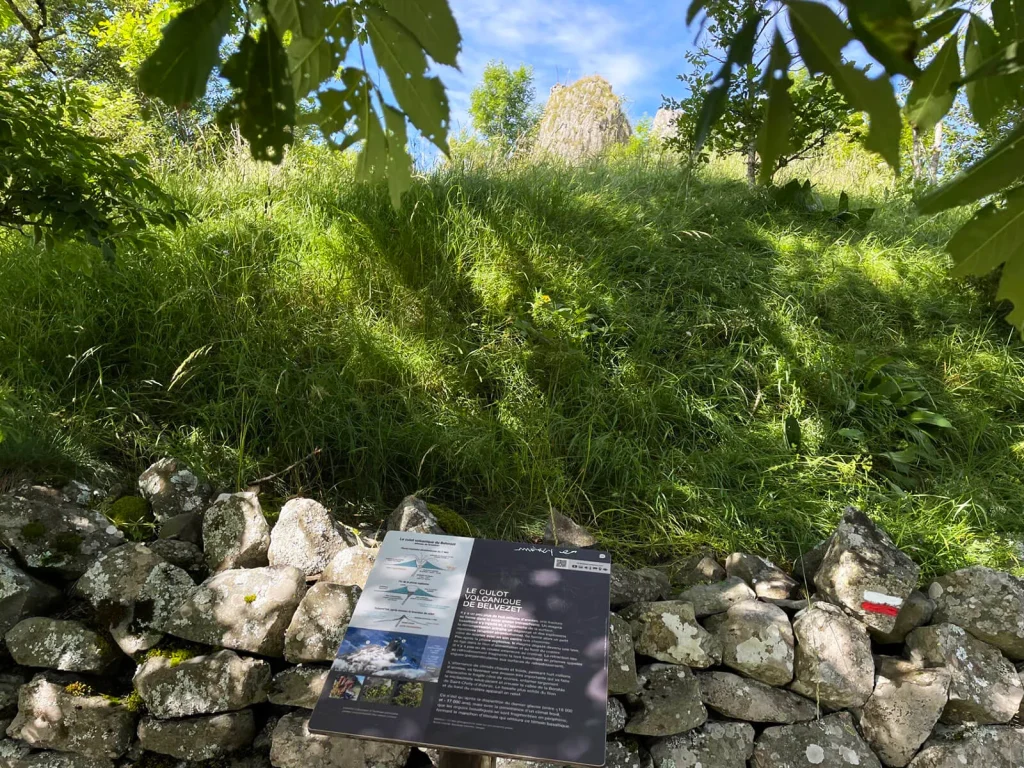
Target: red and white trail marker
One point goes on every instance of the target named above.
(876, 602)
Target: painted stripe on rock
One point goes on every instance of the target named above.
(887, 610)
(881, 599)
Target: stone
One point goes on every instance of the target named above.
(664, 125)
(235, 533)
(564, 532)
(618, 754)
(219, 682)
(580, 121)
(21, 595)
(833, 663)
(641, 586)
(832, 742)
(917, 611)
(864, 573)
(298, 686)
(183, 554)
(68, 646)
(743, 699)
(766, 578)
(51, 718)
(350, 567)
(305, 537)
(12, 752)
(53, 535)
(318, 626)
(709, 599)
(615, 717)
(668, 631)
(668, 703)
(293, 746)
(699, 569)
(188, 526)
(413, 516)
(991, 747)
(61, 760)
(903, 709)
(9, 685)
(757, 640)
(713, 745)
(984, 687)
(171, 489)
(621, 660)
(807, 564)
(198, 738)
(989, 604)
(245, 609)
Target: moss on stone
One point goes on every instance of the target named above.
(33, 531)
(133, 517)
(250, 598)
(78, 688)
(453, 523)
(67, 543)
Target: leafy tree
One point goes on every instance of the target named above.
(502, 105)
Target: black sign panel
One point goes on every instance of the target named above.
(476, 646)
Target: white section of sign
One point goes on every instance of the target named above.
(878, 597)
(568, 564)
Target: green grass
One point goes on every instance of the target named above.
(612, 341)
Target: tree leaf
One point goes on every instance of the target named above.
(1001, 166)
(433, 25)
(886, 29)
(303, 18)
(372, 161)
(932, 94)
(773, 138)
(925, 8)
(695, 7)
(938, 27)
(1008, 60)
(993, 236)
(987, 96)
(343, 110)
(399, 164)
(7, 17)
(1008, 19)
(311, 60)
(178, 70)
(1011, 288)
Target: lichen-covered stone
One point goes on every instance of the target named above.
(668, 631)
(991, 747)
(989, 604)
(615, 716)
(183, 554)
(833, 662)
(744, 699)
(917, 611)
(198, 738)
(171, 488)
(318, 626)
(188, 526)
(413, 516)
(10, 683)
(757, 640)
(60, 760)
(219, 682)
(807, 564)
(832, 742)
(903, 709)
(298, 686)
(235, 532)
(305, 537)
(565, 532)
(864, 573)
(763, 576)
(668, 703)
(293, 746)
(50, 718)
(716, 597)
(698, 569)
(12, 751)
(713, 745)
(246, 609)
(581, 121)
(984, 687)
(51, 534)
(351, 566)
(21, 595)
(68, 646)
(621, 657)
(640, 586)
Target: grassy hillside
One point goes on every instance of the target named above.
(610, 341)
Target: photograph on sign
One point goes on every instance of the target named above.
(476, 646)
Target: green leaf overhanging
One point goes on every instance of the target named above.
(773, 139)
(932, 94)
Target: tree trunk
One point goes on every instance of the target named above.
(751, 165)
(917, 157)
(933, 168)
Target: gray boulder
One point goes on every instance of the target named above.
(668, 703)
(713, 745)
(298, 686)
(305, 536)
(198, 738)
(833, 663)
(903, 709)
(50, 718)
(564, 532)
(864, 573)
(413, 516)
(984, 687)
(916, 612)
(743, 699)
(832, 742)
(245, 609)
(219, 682)
(619, 753)
(807, 564)
(350, 567)
(188, 526)
(293, 746)
(615, 716)
(757, 640)
(9, 685)
(989, 604)
(171, 489)
(12, 752)
(235, 532)
(60, 760)
(53, 535)
(698, 569)
(21, 595)
(641, 586)
(68, 646)
(976, 748)
(766, 578)
(716, 597)
(668, 631)
(621, 658)
(318, 626)
(183, 554)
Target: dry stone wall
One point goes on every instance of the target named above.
(208, 645)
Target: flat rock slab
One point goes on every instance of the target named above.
(615, 716)
(716, 597)
(763, 576)
(68, 646)
(318, 626)
(245, 609)
(833, 662)
(832, 742)
(305, 536)
(917, 611)
(350, 567)
(744, 699)
(60, 760)
(641, 586)
(21, 595)
(669, 702)
(235, 532)
(621, 657)
(414, 516)
(565, 532)
(198, 738)
(989, 604)
(668, 631)
(757, 640)
(991, 747)
(713, 745)
(219, 682)
(172, 489)
(864, 573)
(298, 686)
(698, 569)
(293, 746)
